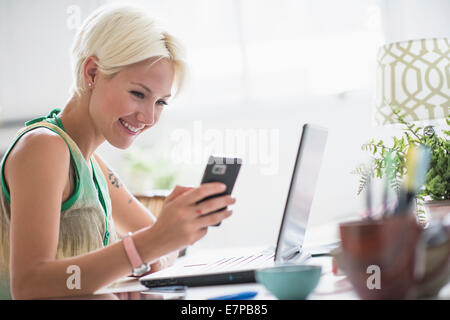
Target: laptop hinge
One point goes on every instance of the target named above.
(291, 253)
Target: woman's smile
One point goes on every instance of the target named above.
(129, 128)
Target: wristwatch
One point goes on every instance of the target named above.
(139, 267)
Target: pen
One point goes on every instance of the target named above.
(167, 289)
(417, 165)
(387, 182)
(369, 198)
(407, 191)
(237, 296)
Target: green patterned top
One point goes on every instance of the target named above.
(86, 222)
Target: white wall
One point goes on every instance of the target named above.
(35, 39)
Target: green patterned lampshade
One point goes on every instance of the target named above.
(413, 77)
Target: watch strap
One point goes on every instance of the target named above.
(139, 267)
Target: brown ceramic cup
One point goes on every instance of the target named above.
(380, 257)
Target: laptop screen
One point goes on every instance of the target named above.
(301, 192)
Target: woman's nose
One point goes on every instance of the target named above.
(147, 116)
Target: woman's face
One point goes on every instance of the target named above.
(132, 101)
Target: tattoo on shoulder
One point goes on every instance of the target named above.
(114, 180)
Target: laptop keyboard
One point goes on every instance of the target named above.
(255, 261)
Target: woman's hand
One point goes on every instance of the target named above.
(164, 262)
(183, 222)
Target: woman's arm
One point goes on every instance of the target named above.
(36, 181)
(129, 214)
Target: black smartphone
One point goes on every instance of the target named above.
(221, 169)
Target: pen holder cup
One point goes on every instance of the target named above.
(290, 282)
(380, 257)
(393, 258)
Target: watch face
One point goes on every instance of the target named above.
(137, 272)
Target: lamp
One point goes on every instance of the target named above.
(414, 77)
(413, 67)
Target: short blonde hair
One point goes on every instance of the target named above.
(120, 35)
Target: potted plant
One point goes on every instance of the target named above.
(434, 196)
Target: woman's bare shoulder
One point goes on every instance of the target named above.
(39, 151)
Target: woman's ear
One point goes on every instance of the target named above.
(90, 71)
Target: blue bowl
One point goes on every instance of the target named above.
(290, 282)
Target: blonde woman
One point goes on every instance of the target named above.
(62, 207)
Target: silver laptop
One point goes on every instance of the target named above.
(216, 267)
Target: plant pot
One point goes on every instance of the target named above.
(437, 209)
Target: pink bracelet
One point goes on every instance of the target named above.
(139, 267)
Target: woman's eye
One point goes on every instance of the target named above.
(162, 103)
(138, 94)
